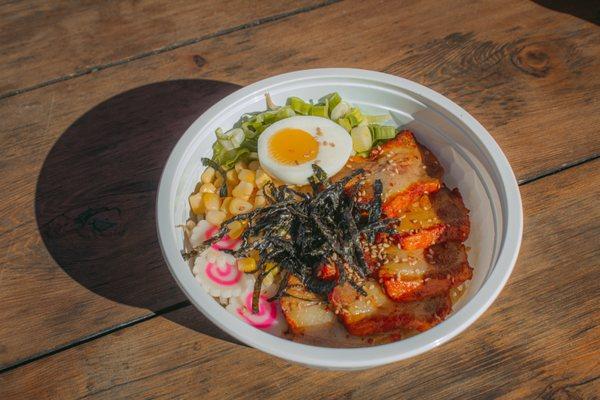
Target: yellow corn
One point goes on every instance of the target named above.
(232, 176)
(261, 178)
(260, 201)
(235, 229)
(246, 264)
(243, 189)
(212, 201)
(215, 217)
(207, 188)
(239, 206)
(254, 165)
(218, 181)
(273, 270)
(225, 204)
(196, 204)
(239, 165)
(246, 175)
(208, 175)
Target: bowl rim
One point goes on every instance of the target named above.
(344, 358)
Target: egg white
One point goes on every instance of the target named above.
(331, 158)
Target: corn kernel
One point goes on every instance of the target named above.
(246, 264)
(225, 204)
(235, 229)
(208, 175)
(246, 175)
(254, 165)
(218, 181)
(239, 206)
(261, 178)
(196, 204)
(260, 201)
(232, 176)
(239, 166)
(243, 189)
(207, 188)
(215, 217)
(212, 201)
(273, 271)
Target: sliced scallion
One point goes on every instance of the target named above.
(382, 132)
(231, 139)
(361, 138)
(332, 99)
(299, 105)
(345, 124)
(339, 111)
(354, 116)
(320, 111)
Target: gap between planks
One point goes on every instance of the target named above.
(165, 49)
(186, 303)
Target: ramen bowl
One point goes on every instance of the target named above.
(472, 160)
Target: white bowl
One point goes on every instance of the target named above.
(472, 160)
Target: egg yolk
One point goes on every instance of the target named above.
(291, 146)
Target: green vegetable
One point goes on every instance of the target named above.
(320, 111)
(354, 116)
(332, 100)
(345, 124)
(339, 111)
(231, 139)
(299, 105)
(382, 132)
(361, 138)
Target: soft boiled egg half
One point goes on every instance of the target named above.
(288, 148)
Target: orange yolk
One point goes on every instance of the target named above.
(291, 146)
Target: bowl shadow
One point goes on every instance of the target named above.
(95, 195)
(588, 10)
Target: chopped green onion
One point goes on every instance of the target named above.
(361, 139)
(320, 111)
(364, 154)
(332, 99)
(339, 111)
(382, 132)
(284, 112)
(230, 157)
(231, 139)
(345, 124)
(299, 105)
(354, 116)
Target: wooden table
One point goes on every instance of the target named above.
(94, 96)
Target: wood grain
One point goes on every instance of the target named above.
(44, 41)
(540, 339)
(78, 250)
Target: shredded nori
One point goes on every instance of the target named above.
(301, 232)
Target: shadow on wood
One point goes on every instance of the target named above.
(95, 197)
(584, 9)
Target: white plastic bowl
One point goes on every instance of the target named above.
(472, 160)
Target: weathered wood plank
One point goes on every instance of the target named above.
(42, 41)
(540, 339)
(531, 78)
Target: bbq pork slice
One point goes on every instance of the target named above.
(376, 313)
(424, 273)
(305, 312)
(434, 218)
(406, 169)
